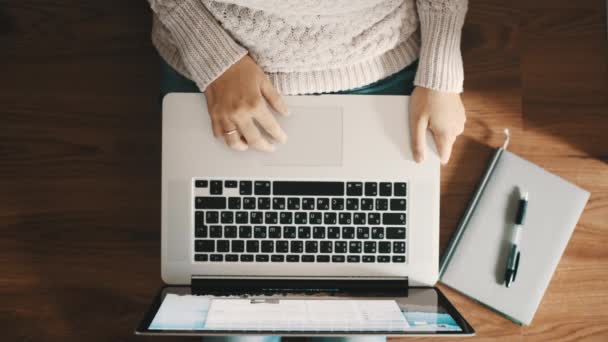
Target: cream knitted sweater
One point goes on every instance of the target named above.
(314, 46)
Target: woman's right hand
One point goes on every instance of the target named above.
(237, 100)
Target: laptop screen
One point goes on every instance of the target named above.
(423, 311)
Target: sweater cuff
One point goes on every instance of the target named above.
(440, 66)
(205, 47)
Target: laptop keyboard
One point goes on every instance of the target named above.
(289, 221)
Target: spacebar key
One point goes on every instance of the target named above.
(305, 188)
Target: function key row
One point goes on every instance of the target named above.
(296, 203)
(306, 188)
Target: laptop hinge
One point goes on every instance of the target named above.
(256, 285)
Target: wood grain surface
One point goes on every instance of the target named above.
(80, 160)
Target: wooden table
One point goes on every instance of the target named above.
(80, 159)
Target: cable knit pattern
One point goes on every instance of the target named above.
(314, 46)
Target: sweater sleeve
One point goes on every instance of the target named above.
(206, 49)
(440, 65)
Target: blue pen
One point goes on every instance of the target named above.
(514, 253)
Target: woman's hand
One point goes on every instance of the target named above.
(237, 105)
(442, 113)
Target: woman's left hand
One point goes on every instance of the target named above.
(441, 112)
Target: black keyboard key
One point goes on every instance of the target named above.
(289, 232)
(354, 247)
(261, 188)
(201, 257)
(308, 203)
(263, 203)
(286, 217)
(362, 233)
(215, 188)
(256, 217)
(267, 246)
(333, 232)
(241, 217)
(337, 258)
(323, 203)
(378, 233)
(271, 217)
(296, 247)
(227, 217)
(367, 204)
(200, 232)
(300, 217)
(282, 246)
(326, 247)
(322, 258)
(308, 258)
(216, 257)
(315, 217)
(230, 232)
(359, 218)
(398, 247)
(369, 247)
(274, 232)
(245, 232)
(398, 258)
(386, 189)
(395, 233)
(212, 217)
(339, 246)
(384, 258)
(348, 232)
(393, 219)
(232, 257)
(278, 203)
(352, 204)
(204, 246)
(369, 258)
(234, 203)
(238, 246)
(262, 258)
(312, 247)
(354, 189)
(253, 246)
(337, 204)
(400, 189)
(304, 232)
(245, 187)
(277, 258)
(305, 188)
(293, 203)
(246, 257)
(384, 247)
(199, 218)
(381, 204)
(201, 183)
(249, 203)
(354, 258)
(330, 218)
(230, 184)
(373, 219)
(208, 202)
(345, 218)
(371, 189)
(318, 232)
(293, 258)
(398, 204)
(259, 232)
(215, 231)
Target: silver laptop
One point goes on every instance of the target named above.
(341, 206)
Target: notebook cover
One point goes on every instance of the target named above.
(476, 266)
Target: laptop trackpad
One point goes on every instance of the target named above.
(315, 138)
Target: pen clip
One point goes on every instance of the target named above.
(507, 138)
(516, 265)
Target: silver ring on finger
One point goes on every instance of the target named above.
(230, 132)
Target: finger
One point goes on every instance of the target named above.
(444, 145)
(418, 137)
(253, 136)
(273, 97)
(270, 125)
(216, 126)
(233, 140)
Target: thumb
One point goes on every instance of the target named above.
(444, 146)
(273, 97)
(418, 136)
